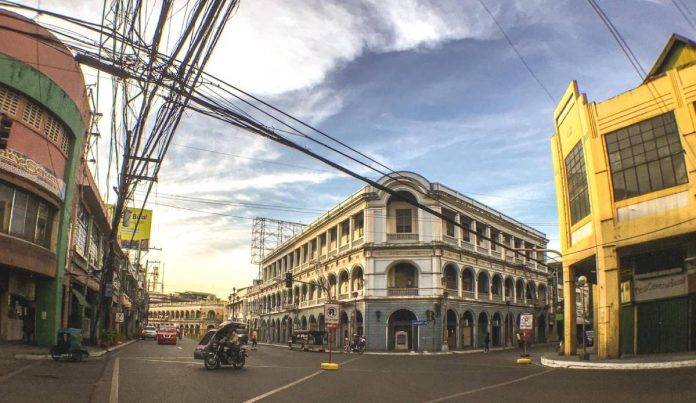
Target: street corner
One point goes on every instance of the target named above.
(574, 363)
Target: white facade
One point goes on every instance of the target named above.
(389, 263)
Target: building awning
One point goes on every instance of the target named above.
(80, 298)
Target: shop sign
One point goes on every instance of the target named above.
(660, 287)
(19, 164)
(120, 317)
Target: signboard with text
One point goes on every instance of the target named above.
(128, 229)
(19, 164)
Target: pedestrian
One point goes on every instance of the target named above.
(486, 342)
(28, 326)
(253, 339)
(519, 339)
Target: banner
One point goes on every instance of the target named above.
(19, 164)
(127, 228)
(660, 287)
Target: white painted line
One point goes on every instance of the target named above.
(497, 385)
(113, 397)
(17, 371)
(290, 385)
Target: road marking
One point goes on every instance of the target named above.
(113, 397)
(497, 385)
(291, 384)
(18, 371)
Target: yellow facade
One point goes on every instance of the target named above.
(642, 203)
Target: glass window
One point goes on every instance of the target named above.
(646, 157)
(403, 221)
(6, 196)
(44, 225)
(577, 184)
(19, 214)
(449, 226)
(466, 233)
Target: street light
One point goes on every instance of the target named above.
(582, 282)
(445, 344)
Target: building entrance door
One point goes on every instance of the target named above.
(663, 326)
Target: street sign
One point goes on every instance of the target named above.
(526, 321)
(119, 317)
(421, 322)
(331, 315)
(108, 290)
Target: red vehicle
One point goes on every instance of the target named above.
(166, 335)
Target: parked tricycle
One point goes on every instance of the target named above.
(69, 345)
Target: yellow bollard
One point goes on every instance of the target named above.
(524, 361)
(332, 366)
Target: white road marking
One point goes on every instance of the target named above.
(497, 385)
(180, 348)
(113, 397)
(291, 384)
(18, 371)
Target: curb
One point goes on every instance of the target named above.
(91, 355)
(412, 353)
(618, 365)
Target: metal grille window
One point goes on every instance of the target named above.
(577, 184)
(64, 142)
(53, 129)
(403, 221)
(8, 101)
(32, 115)
(646, 157)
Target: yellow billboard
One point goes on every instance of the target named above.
(127, 229)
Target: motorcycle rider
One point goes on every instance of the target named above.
(232, 341)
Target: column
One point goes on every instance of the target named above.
(607, 322)
(569, 311)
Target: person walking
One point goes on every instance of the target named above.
(253, 340)
(486, 342)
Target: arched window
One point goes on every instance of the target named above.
(403, 280)
(468, 280)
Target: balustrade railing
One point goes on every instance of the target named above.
(450, 239)
(401, 237)
(402, 292)
(468, 294)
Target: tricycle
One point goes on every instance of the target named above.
(69, 345)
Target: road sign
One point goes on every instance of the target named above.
(119, 317)
(331, 315)
(526, 321)
(421, 322)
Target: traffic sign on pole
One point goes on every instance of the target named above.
(526, 321)
(331, 315)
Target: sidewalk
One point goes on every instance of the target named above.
(423, 352)
(636, 362)
(22, 351)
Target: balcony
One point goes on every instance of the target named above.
(468, 294)
(467, 245)
(452, 291)
(343, 248)
(402, 237)
(304, 304)
(402, 292)
(497, 254)
(343, 296)
(359, 241)
(450, 240)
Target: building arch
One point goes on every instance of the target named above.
(303, 322)
(542, 295)
(312, 323)
(402, 279)
(210, 315)
(450, 275)
(509, 288)
(469, 280)
(343, 283)
(467, 329)
(530, 293)
(497, 330)
(451, 329)
(356, 279)
(484, 284)
(519, 288)
(497, 286)
(482, 327)
(400, 321)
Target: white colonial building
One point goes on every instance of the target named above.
(390, 264)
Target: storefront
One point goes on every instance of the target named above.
(17, 306)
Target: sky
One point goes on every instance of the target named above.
(429, 87)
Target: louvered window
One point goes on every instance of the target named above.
(8, 101)
(32, 115)
(53, 129)
(64, 142)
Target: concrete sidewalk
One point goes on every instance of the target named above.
(637, 362)
(423, 352)
(29, 352)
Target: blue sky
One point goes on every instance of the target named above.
(430, 87)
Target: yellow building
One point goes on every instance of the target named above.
(625, 175)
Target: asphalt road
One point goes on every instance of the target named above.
(147, 372)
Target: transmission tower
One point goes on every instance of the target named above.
(267, 234)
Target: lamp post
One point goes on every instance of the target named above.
(582, 282)
(445, 344)
(233, 299)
